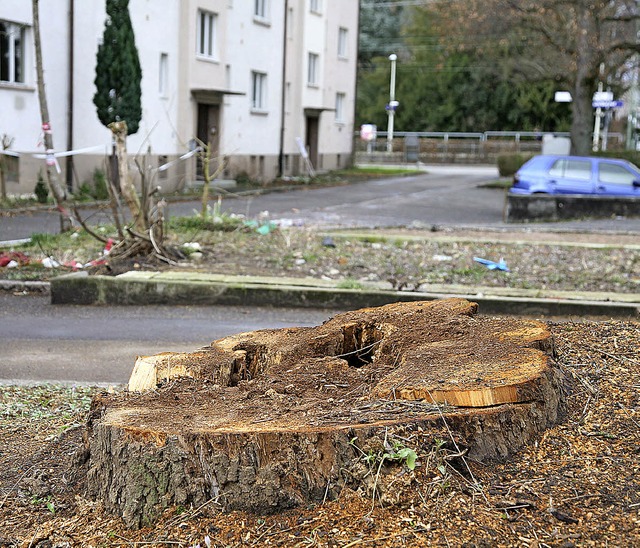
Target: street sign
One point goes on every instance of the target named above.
(602, 96)
(607, 104)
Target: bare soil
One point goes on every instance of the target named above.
(410, 259)
(402, 259)
(576, 484)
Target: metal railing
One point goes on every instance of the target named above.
(450, 146)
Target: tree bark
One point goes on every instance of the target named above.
(127, 187)
(57, 191)
(586, 67)
(271, 419)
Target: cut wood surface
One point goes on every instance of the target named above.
(266, 420)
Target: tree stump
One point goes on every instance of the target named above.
(266, 420)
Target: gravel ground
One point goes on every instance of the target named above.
(396, 259)
(411, 259)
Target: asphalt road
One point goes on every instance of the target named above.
(99, 345)
(442, 196)
(41, 342)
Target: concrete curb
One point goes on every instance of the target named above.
(189, 288)
(27, 286)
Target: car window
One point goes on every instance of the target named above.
(571, 169)
(612, 173)
(557, 169)
(577, 169)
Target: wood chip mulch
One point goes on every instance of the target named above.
(578, 485)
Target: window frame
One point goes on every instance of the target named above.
(206, 35)
(343, 41)
(258, 91)
(261, 10)
(163, 74)
(315, 6)
(13, 70)
(341, 99)
(313, 69)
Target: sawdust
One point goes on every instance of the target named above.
(577, 485)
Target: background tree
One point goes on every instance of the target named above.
(573, 43)
(457, 79)
(118, 72)
(118, 105)
(477, 65)
(118, 94)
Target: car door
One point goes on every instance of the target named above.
(571, 176)
(617, 180)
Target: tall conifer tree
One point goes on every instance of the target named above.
(118, 72)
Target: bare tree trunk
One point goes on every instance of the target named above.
(58, 193)
(205, 156)
(127, 187)
(586, 65)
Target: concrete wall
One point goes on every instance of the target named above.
(549, 207)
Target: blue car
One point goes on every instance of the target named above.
(577, 175)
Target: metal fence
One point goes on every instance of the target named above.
(455, 147)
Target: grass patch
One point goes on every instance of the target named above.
(378, 171)
(350, 283)
(504, 184)
(61, 407)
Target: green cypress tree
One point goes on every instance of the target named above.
(118, 72)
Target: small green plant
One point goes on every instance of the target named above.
(83, 193)
(41, 191)
(392, 451)
(350, 283)
(100, 190)
(212, 219)
(37, 501)
(243, 179)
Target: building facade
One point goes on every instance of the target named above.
(267, 82)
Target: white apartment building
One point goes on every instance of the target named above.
(262, 80)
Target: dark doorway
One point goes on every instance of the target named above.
(311, 139)
(208, 131)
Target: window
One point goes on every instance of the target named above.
(12, 43)
(571, 169)
(260, 9)
(316, 5)
(163, 74)
(312, 72)
(258, 91)
(207, 34)
(615, 174)
(340, 100)
(342, 42)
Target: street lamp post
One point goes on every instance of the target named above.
(391, 107)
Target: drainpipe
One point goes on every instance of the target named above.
(284, 90)
(355, 129)
(69, 159)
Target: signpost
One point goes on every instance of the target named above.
(603, 100)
